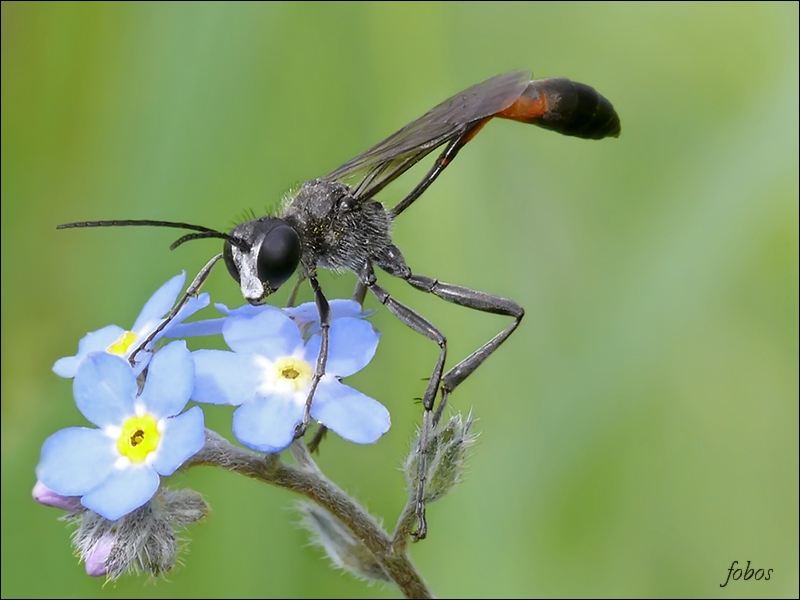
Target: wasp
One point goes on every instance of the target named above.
(335, 222)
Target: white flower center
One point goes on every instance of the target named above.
(288, 375)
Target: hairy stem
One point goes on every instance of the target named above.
(309, 481)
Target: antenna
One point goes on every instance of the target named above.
(204, 232)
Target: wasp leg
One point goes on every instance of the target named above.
(324, 310)
(478, 301)
(192, 290)
(313, 446)
(293, 294)
(449, 381)
(319, 435)
(359, 292)
(471, 299)
(358, 296)
(421, 325)
(444, 159)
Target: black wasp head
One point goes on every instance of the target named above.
(266, 259)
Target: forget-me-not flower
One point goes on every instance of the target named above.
(269, 375)
(117, 468)
(115, 340)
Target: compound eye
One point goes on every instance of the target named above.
(278, 256)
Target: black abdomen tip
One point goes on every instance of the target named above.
(575, 109)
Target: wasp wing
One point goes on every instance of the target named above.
(392, 157)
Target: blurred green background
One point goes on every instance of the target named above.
(639, 431)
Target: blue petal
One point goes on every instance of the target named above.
(307, 316)
(197, 328)
(76, 460)
(96, 341)
(160, 303)
(142, 359)
(307, 312)
(170, 381)
(223, 377)
(125, 490)
(351, 345)
(214, 326)
(246, 310)
(267, 424)
(66, 367)
(342, 308)
(100, 339)
(183, 437)
(192, 306)
(270, 333)
(348, 412)
(105, 389)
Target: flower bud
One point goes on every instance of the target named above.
(447, 457)
(44, 495)
(97, 556)
(344, 550)
(143, 541)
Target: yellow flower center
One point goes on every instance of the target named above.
(293, 373)
(139, 437)
(123, 344)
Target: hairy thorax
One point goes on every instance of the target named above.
(339, 232)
